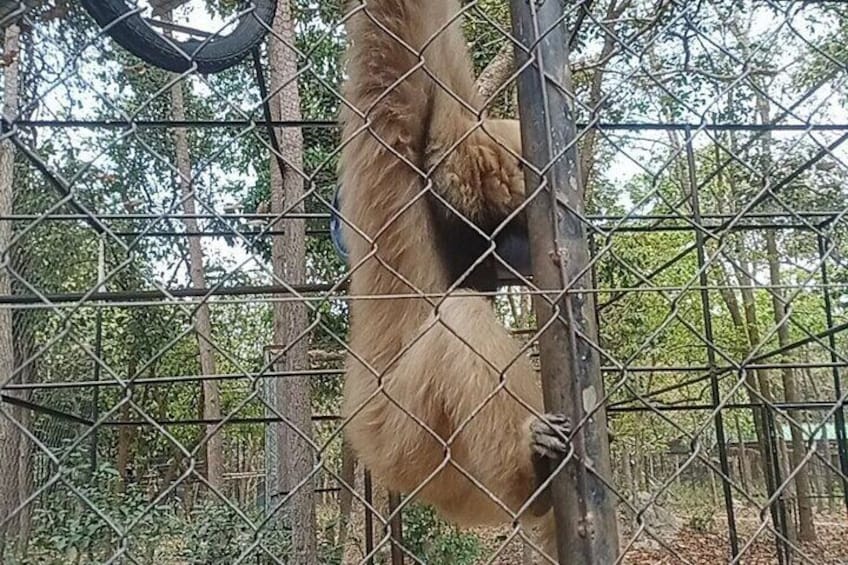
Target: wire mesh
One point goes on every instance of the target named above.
(175, 318)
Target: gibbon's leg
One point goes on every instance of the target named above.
(466, 378)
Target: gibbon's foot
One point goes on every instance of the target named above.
(547, 437)
(549, 449)
(548, 444)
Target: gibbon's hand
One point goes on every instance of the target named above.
(480, 177)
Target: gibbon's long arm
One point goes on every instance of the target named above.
(417, 92)
(439, 399)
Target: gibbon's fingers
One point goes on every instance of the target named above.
(479, 177)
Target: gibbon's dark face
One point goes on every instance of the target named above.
(461, 246)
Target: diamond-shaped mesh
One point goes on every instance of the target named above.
(178, 276)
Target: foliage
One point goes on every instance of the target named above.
(215, 534)
(69, 530)
(434, 541)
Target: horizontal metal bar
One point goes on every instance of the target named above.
(214, 421)
(153, 124)
(658, 408)
(133, 295)
(262, 420)
(611, 218)
(247, 234)
(810, 405)
(619, 230)
(247, 216)
(29, 405)
(274, 293)
(609, 126)
(173, 380)
(317, 373)
(67, 416)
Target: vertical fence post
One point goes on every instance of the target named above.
(369, 518)
(784, 554)
(98, 354)
(396, 528)
(584, 507)
(839, 418)
(272, 453)
(715, 393)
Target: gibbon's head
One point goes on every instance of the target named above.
(512, 243)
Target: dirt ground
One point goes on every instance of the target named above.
(706, 548)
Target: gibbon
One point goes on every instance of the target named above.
(439, 400)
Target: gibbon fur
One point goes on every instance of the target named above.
(433, 384)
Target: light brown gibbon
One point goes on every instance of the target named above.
(436, 391)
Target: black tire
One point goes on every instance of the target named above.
(135, 35)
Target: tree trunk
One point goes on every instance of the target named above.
(744, 463)
(26, 366)
(828, 487)
(789, 493)
(758, 380)
(748, 324)
(214, 446)
(753, 379)
(348, 475)
(126, 433)
(827, 474)
(743, 37)
(759, 388)
(806, 526)
(627, 475)
(288, 257)
(10, 436)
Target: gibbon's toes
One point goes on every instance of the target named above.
(547, 436)
(550, 446)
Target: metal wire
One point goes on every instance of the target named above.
(710, 139)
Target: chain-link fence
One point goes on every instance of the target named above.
(217, 348)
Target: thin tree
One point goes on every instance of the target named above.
(290, 318)
(214, 446)
(10, 436)
(806, 527)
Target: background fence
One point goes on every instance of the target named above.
(173, 311)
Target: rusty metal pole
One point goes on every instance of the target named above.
(396, 528)
(584, 506)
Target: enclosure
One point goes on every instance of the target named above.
(173, 305)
